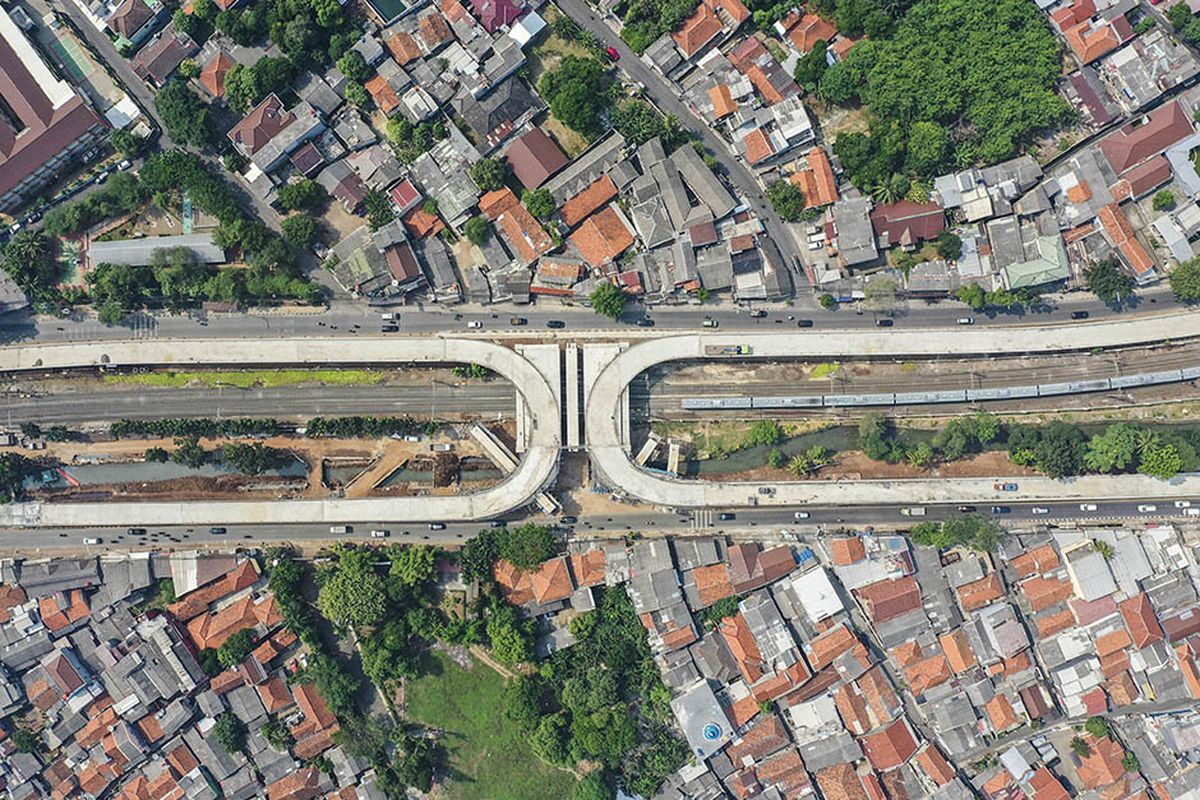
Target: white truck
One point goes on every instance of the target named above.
(340, 529)
(913, 511)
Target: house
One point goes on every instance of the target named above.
(711, 19)
(213, 72)
(133, 21)
(816, 180)
(344, 185)
(603, 236)
(803, 32)
(853, 232)
(525, 236)
(157, 61)
(534, 157)
(496, 14)
(496, 117)
(140, 252)
(907, 223)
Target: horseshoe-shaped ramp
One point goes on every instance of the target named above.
(613, 462)
(536, 469)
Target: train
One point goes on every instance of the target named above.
(952, 396)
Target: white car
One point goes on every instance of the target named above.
(474, 324)
(1087, 506)
(91, 540)
(1146, 509)
(1039, 510)
(1183, 503)
(380, 534)
(966, 320)
(801, 515)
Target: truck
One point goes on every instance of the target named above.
(913, 511)
(340, 529)
(728, 350)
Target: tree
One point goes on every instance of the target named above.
(157, 455)
(26, 741)
(549, 740)
(776, 459)
(300, 230)
(928, 149)
(522, 701)
(879, 294)
(608, 301)
(233, 651)
(210, 663)
(764, 432)
(230, 732)
(334, 683)
(353, 595)
(1160, 459)
(510, 638)
(576, 93)
(528, 546)
(787, 200)
(302, 195)
(1098, 727)
(1164, 200)
(188, 68)
(414, 565)
(949, 246)
(387, 654)
(827, 301)
(126, 143)
(539, 202)
(1059, 451)
(354, 66)
(639, 122)
(489, 174)
(1108, 281)
(1079, 747)
(594, 786)
(356, 94)
(1130, 762)
(973, 295)
(477, 229)
(379, 209)
(810, 68)
(1115, 450)
(189, 452)
(185, 116)
(1185, 281)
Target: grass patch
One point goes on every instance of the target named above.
(825, 370)
(489, 756)
(249, 379)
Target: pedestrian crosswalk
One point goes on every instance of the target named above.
(702, 519)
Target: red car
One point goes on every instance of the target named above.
(612, 53)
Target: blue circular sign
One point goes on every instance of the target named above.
(712, 731)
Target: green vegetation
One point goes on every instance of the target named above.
(367, 427)
(249, 379)
(209, 428)
(310, 32)
(1185, 23)
(639, 122)
(300, 230)
(1130, 762)
(379, 209)
(764, 432)
(578, 94)
(1185, 279)
(353, 594)
(254, 459)
(957, 82)
(1079, 747)
(302, 195)
(810, 68)
(233, 651)
(539, 202)
(489, 174)
(26, 741)
(121, 195)
(826, 369)
(646, 20)
(787, 200)
(1164, 200)
(230, 732)
(949, 246)
(488, 750)
(14, 468)
(608, 301)
(810, 461)
(1109, 282)
(972, 530)
(973, 295)
(477, 230)
(246, 87)
(185, 116)
(725, 607)
(411, 141)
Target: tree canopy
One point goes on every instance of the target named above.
(608, 300)
(787, 200)
(577, 93)
(1109, 282)
(1185, 281)
(353, 595)
(184, 115)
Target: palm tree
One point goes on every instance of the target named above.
(799, 466)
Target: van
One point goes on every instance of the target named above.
(340, 529)
(388, 316)
(915, 511)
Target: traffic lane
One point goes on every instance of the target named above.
(364, 321)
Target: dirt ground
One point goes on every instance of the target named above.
(853, 465)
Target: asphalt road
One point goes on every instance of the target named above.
(764, 523)
(780, 246)
(343, 317)
(489, 399)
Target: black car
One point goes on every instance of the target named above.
(389, 328)
(804, 323)
(885, 323)
(217, 531)
(1080, 315)
(644, 322)
(725, 516)
(517, 322)
(1001, 510)
(568, 520)
(966, 509)
(555, 323)
(136, 531)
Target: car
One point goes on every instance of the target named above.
(725, 516)
(498, 523)
(709, 322)
(1147, 508)
(517, 322)
(568, 520)
(1080, 315)
(437, 526)
(644, 322)
(1004, 487)
(802, 515)
(1191, 512)
(388, 316)
(91, 540)
(966, 509)
(217, 531)
(1039, 510)
(885, 323)
(815, 244)
(1183, 503)
(136, 531)
(966, 320)
(555, 323)
(1087, 506)
(1001, 510)
(102, 177)
(380, 534)
(124, 164)
(804, 323)
(474, 324)
(389, 328)
(612, 53)
(758, 313)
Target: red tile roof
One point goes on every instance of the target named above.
(1036, 561)
(841, 782)
(742, 645)
(847, 550)
(1116, 225)
(1045, 592)
(890, 747)
(852, 708)
(404, 47)
(303, 784)
(1141, 620)
(194, 603)
(817, 181)
(382, 93)
(906, 222)
(1132, 145)
(712, 583)
(758, 146)
(1102, 766)
(928, 673)
(1091, 40)
(588, 567)
(552, 581)
(760, 740)
(602, 237)
(934, 765)
(579, 207)
(212, 74)
(958, 650)
(888, 599)
(825, 649)
(211, 630)
(811, 29)
(697, 30)
(722, 101)
(1000, 714)
(261, 125)
(977, 594)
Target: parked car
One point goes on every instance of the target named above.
(568, 520)
(612, 53)
(1080, 315)
(885, 323)
(1004, 487)
(1147, 508)
(802, 515)
(136, 531)
(804, 323)
(1087, 506)
(644, 322)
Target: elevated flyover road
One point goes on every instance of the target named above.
(604, 426)
(535, 471)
